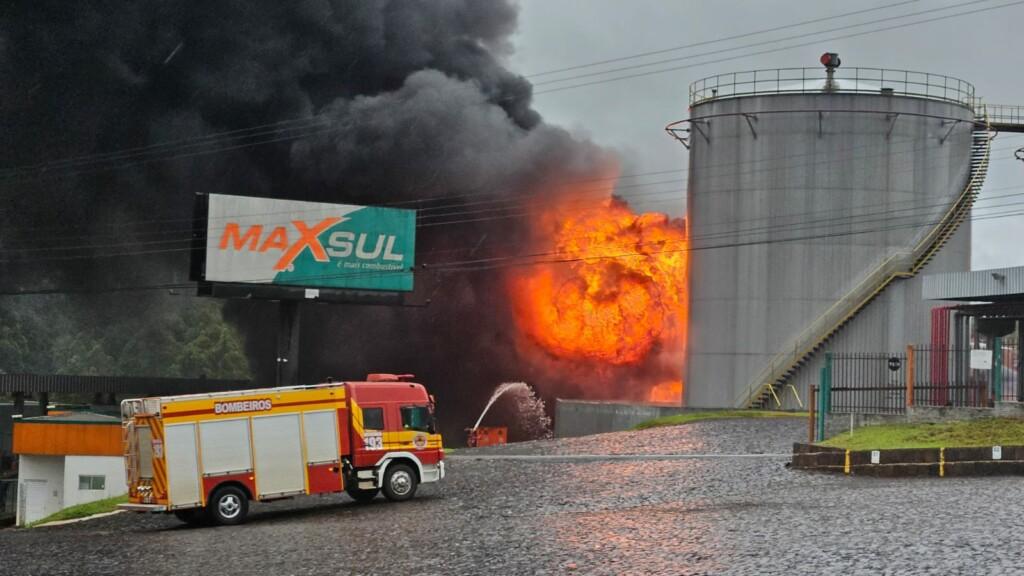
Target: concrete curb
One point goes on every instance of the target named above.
(934, 462)
(75, 520)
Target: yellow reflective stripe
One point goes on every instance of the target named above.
(357, 419)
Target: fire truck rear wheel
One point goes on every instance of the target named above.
(227, 506)
(400, 482)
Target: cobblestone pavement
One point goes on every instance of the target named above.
(695, 516)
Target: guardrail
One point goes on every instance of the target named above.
(845, 80)
(115, 384)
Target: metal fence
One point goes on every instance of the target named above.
(943, 377)
(868, 383)
(884, 383)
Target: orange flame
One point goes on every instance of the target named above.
(617, 295)
(670, 392)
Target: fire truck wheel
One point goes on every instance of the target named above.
(360, 495)
(399, 482)
(191, 516)
(227, 506)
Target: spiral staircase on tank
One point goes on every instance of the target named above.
(766, 387)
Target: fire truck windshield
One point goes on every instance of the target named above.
(417, 418)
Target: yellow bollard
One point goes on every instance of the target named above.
(942, 462)
(846, 463)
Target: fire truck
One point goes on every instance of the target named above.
(204, 457)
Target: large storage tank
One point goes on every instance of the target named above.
(805, 193)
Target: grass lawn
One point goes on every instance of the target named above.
(688, 417)
(987, 432)
(83, 510)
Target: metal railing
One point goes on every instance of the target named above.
(846, 80)
(1004, 114)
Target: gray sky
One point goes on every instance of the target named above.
(629, 115)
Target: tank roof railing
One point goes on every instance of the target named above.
(847, 81)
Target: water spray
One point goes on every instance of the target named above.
(529, 408)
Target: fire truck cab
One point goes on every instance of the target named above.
(204, 457)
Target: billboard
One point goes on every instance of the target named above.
(295, 243)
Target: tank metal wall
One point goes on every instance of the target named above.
(793, 200)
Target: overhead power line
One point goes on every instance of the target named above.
(489, 264)
(501, 200)
(761, 43)
(886, 213)
(288, 130)
(718, 40)
(781, 48)
(726, 228)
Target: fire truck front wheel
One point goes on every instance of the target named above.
(400, 482)
(227, 506)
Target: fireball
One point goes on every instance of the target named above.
(615, 293)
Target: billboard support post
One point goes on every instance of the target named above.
(288, 315)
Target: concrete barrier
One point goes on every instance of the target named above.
(838, 423)
(583, 417)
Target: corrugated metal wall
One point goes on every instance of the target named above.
(974, 285)
(794, 199)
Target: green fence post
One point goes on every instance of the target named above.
(997, 369)
(822, 390)
(828, 381)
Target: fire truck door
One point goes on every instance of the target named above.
(182, 464)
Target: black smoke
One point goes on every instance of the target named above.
(405, 100)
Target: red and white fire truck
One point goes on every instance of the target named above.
(204, 457)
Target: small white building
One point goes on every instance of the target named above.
(65, 460)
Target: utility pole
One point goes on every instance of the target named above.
(288, 343)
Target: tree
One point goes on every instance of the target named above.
(104, 335)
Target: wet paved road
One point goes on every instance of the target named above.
(494, 516)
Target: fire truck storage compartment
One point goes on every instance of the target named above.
(144, 442)
(225, 446)
(278, 445)
(182, 464)
(324, 466)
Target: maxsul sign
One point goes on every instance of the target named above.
(261, 240)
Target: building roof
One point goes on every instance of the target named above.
(74, 433)
(74, 418)
(994, 285)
